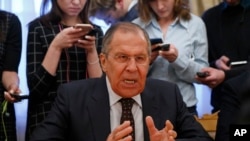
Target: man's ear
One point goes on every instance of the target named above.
(103, 61)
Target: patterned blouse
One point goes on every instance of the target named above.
(10, 54)
(42, 85)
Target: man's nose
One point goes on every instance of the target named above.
(132, 65)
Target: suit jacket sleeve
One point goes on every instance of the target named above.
(80, 113)
(187, 127)
(162, 100)
(55, 126)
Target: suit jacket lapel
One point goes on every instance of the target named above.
(149, 107)
(99, 111)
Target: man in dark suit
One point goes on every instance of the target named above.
(235, 105)
(228, 29)
(89, 110)
(235, 97)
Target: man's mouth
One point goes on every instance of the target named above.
(129, 81)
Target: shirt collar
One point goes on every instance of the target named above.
(177, 21)
(114, 98)
(132, 4)
(183, 23)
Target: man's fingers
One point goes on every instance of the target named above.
(128, 138)
(167, 133)
(169, 129)
(121, 132)
(169, 125)
(171, 138)
(9, 98)
(150, 125)
(172, 134)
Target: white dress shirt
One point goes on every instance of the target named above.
(116, 111)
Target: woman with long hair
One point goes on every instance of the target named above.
(57, 53)
(172, 21)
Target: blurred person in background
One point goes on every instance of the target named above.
(228, 26)
(171, 21)
(10, 54)
(57, 53)
(113, 11)
(228, 29)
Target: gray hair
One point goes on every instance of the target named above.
(126, 27)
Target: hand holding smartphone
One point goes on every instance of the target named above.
(19, 97)
(87, 27)
(202, 74)
(163, 47)
(84, 27)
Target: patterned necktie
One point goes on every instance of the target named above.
(127, 104)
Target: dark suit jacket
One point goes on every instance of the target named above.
(130, 15)
(81, 112)
(235, 105)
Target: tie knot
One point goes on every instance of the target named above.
(127, 103)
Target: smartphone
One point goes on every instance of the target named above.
(85, 27)
(156, 49)
(20, 97)
(165, 47)
(238, 63)
(202, 74)
(93, 32)
(154, 41)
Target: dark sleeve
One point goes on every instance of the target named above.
(13, 44)
(235, 104)
(187, 127)
(212, 28)
(39, 80)
(169, 105)
(54, 126)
